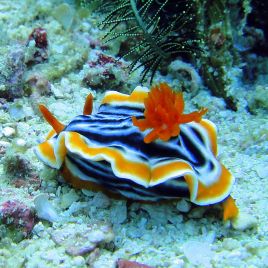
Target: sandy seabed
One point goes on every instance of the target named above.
(158, 235)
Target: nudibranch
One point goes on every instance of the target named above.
(142, 147)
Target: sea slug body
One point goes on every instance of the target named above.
(141, 146)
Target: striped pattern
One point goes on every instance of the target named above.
(107, 150)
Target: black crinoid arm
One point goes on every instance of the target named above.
(159, 30)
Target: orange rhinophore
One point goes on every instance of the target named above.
(51, 119)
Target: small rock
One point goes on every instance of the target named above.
(230, 244)
(198, 253)
(81, 239)
(16, 111)
(158, 214)
(38, 85)
(262, 171)
(8, 131)
(119, 212)
(20, 145)
(183, 206)
(235, 254)
(88, 193)
(78, 261)
(178, 263)
(21, 142)
(100, 200)
(197, 213)
(244, 221)
(64, 14)
(3, 147)
(256, 247)
(92, 257)
(39, 229)
(176, 67)
(12, 70)
(57, 92)
(44, 209)
(68, 198)
(96, 236)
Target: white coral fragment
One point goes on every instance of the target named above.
(44, 209)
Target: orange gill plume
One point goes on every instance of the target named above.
(164, 113)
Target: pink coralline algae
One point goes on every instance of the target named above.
(105, 71)
(31, 182)
(103, 60)
(18, 215)
(39, 36)
(121, 263)
(106, 62)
